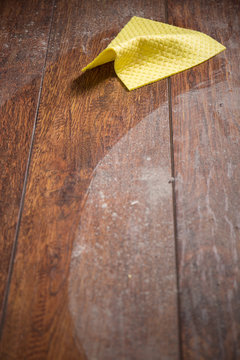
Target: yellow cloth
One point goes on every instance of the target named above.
(146, 51)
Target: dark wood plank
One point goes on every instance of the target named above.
(23, 43)
(122, 285)
(206, 133)
(101, 158)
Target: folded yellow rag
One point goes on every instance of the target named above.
(146, 51)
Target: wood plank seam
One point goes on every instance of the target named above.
(178, 296)
(174, 217)
(21, 205)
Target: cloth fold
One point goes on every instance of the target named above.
(146, 51)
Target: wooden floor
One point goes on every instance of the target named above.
(119, 211)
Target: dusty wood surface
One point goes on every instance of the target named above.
(23, 44)
(99, 153)
(206, 133)
(94, 275)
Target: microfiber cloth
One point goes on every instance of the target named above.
(146, 51)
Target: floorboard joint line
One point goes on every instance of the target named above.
(174, 215)
(14, 248)
(174, 204)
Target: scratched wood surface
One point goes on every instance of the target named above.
(94, 274)
(206, 133)
(23, 43)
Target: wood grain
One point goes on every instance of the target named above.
(23, 44)
(124, 247)
(206, 133)
(81, 122)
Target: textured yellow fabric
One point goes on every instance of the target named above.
(146, 51)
